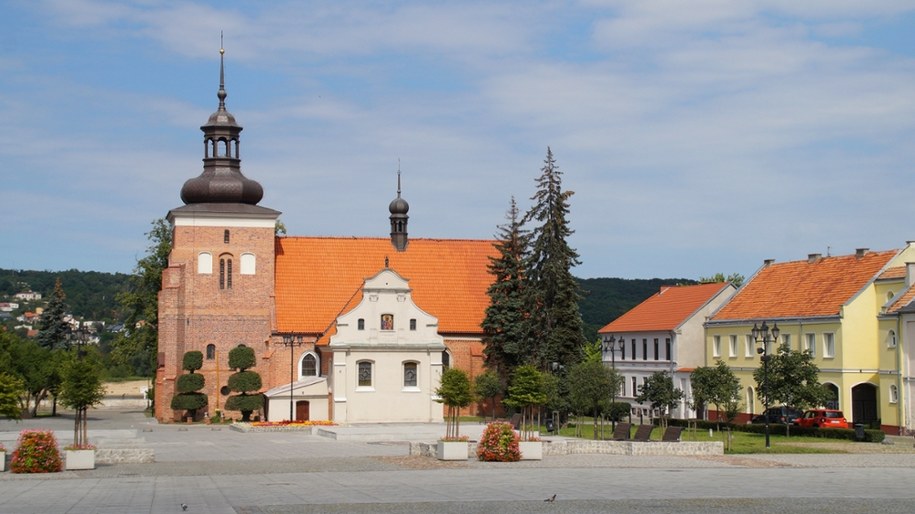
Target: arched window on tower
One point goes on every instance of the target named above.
(225, 272)
(225, 236)
(211, 351)
(309, 365)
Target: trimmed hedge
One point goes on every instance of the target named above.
(245, 381)
(192, 361)
(870, 435)
(242, 357)
(190, 383)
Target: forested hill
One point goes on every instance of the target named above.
(90, 294)
(606, 299)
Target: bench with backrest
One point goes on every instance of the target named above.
(643, 433)
(672, 434)
(622, 431)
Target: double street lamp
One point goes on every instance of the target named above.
(763, 335)
(612, 345)
(291, 341)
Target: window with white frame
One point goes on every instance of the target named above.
(829, 345)
(810, 344)
(635, 386)
(716, 346)
(409, 375)
(309, 367)
(750, 349)
(732, 346)
(894, 394)
(364, 377)
(891, 339)
(786, 340)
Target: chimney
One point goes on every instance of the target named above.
(813, 258)
(860, 252)
(768, 262)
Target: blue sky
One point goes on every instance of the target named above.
(699, 137)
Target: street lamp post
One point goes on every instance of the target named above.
(763, 335)
(80, 336)
(291, 341)
(611, 345)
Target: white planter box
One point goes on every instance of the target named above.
(452, 450)
(531, 450)
(79, 459)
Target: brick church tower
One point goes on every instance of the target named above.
(218, 289)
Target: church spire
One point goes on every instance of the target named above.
(221, 180)
(399, 208)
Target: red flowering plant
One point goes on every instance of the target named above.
(36, 453)
(499, 443)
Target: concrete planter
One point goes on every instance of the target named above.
(452, 450)
(2, 460)
(531, 450)
(79, 459)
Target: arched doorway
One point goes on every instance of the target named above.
(302, 410)
(864, 403)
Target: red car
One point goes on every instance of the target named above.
(822, 418)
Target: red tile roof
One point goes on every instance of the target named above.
(895, 272)
(318, 278)
(902, 301)
(666, 309)
(804, 288)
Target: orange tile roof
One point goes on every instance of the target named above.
(666, 309)
(318, 278)
(902, 301)
(895, 272)
(804, 289)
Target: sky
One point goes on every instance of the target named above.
(698, 137)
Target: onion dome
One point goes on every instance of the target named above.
(221, 180)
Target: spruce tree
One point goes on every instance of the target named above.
(505, 317)
(554, 327)
(53, 329)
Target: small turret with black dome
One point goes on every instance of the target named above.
(399, 208)
(221, 180)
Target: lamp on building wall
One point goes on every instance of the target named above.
(612, 345)
(291, 341)
(763, 335)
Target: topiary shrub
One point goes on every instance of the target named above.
(37, 452)
(189, 397)
(499, 443)
(244, 382)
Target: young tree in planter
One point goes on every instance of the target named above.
(660, 392)
(454, 392)
(81, 387)
(189, 398)
(244, 382)
(527, 392)
(489, 386)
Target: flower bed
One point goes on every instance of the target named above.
(36, 453)
(281, 426)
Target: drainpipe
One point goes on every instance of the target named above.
(900, 411)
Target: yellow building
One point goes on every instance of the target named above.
(847, 311)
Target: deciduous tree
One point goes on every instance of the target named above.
(659, 391)
(715, 385)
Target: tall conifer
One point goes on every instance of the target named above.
(554, 328)
(505, 316)
(53, 329)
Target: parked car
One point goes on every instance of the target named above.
(822, 418)
(783, 415)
